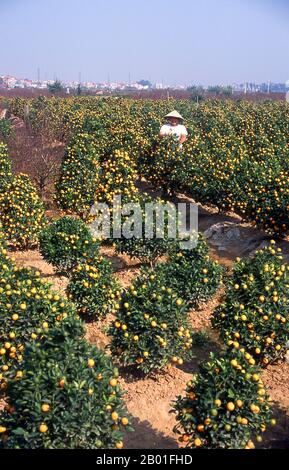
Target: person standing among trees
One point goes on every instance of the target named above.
(174, 127)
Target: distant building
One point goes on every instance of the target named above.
(10, 82)
(266, 87)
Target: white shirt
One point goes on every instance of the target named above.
(178, 130)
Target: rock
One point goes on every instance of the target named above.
(227, 235)
(287, 357)
(218, 231)
(223, 234)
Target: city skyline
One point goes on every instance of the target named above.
(10, 82)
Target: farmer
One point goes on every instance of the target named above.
(174, 127)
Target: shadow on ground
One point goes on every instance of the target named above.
(145, 436)
(277, 437)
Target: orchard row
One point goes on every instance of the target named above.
(236, 157)
(49, 372)
(110, 141)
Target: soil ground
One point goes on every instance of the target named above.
(149, 400)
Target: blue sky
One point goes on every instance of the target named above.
(185, 41)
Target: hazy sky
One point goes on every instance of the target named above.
(185, 41)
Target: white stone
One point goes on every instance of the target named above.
(223, 233)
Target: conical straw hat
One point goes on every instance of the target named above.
(174, 114)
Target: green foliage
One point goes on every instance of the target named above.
(141, 246)
(235, 159)
(214, 172)
(55, 87)
(5, 129)
(79, 177)
(268, 205)
(221, 90)
(5, 167)
(66, 242)
(68, 397)
(21, 212)
(192, 273)
(201, 339)
(151, 328)
(6, 264)
(117, 178)
(28, 307)
(197, 93)
(160, 164)
(255, 311)
(16, 106)
(226, 405)
(93, 289)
